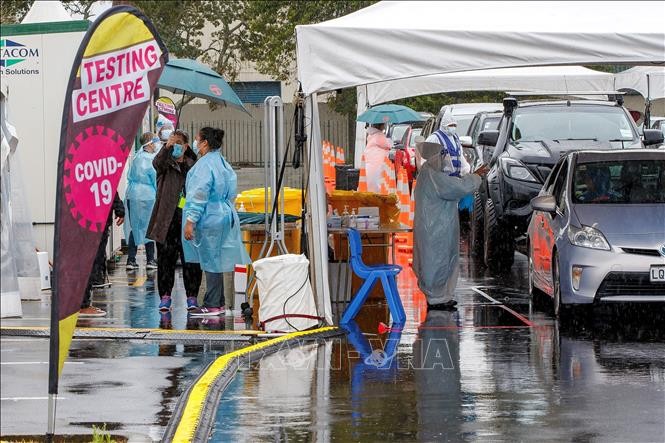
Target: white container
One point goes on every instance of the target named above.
(44, 270)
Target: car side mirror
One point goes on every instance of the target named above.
(544, 203)
(466, 141)
(488, 138)
(653, 137)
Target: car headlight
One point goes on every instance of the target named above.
(587, 237)
(516, 169)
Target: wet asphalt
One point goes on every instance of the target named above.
(499, 368)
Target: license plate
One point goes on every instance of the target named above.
(657, 273)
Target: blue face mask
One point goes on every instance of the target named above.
(156, 140)
(177, 151)
(195, 147)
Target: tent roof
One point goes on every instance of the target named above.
(393, 40)
(46, 12)
(636, 78)
(531, 79)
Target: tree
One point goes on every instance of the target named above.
(79, 7)
(271, 42)
(13, 11)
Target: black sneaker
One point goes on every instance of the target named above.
(131, 265)
(152, 264)
(447, 306)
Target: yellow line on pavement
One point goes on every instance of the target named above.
(191, 415)
(139, 281)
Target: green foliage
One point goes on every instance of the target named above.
(432, 103)
(101, 435)
(13, 11)
(270, 38)
(181, 25)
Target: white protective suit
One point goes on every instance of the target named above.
(436, 230)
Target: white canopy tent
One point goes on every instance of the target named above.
(649, 81)
(397, 40)
(561, 79)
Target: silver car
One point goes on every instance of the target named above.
(597, 233)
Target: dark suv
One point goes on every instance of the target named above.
(531, 138)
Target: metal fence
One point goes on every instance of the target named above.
(243, 138)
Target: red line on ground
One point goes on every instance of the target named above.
(525, 320)
(474, 327)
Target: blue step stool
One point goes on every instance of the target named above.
(372, 274)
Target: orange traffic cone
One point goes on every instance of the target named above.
(362, 182)
(404, 199)
(392, 181)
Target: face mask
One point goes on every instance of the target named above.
(195, 147)
(177, 151)
(166, 133)
(155, 140)
(451, 129)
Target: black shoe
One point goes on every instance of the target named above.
(447, 306)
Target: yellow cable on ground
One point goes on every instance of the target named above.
(191, 414)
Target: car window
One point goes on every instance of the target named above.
(560, 184)
(397, 132)
(473, 126)
(585, 122)
(415, 132)
(620, 182)
(491, 123)
(549, 182)
(463, 122)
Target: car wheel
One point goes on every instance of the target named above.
(477, 226)
(556, 285)
(499, 243)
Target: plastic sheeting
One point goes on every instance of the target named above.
(436, 228)
(395, 40)
(649, 81)
(17, 250)
(531, 79)
(284, 289)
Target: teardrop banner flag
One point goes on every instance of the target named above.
(115, 70)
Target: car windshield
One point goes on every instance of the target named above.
(620, 182)
(583, 122)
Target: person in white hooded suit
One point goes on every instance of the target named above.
(436, 230)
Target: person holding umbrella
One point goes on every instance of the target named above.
(376, 151)
(378, 144)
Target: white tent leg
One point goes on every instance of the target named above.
(316, 199)
(361, 96)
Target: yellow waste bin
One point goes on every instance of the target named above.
(254, 200)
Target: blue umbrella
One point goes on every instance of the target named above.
(189, 77)
(392, 114)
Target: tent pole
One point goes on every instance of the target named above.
(50, 430)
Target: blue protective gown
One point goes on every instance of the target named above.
(140, 195)
(211, 189)
(436, 227)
